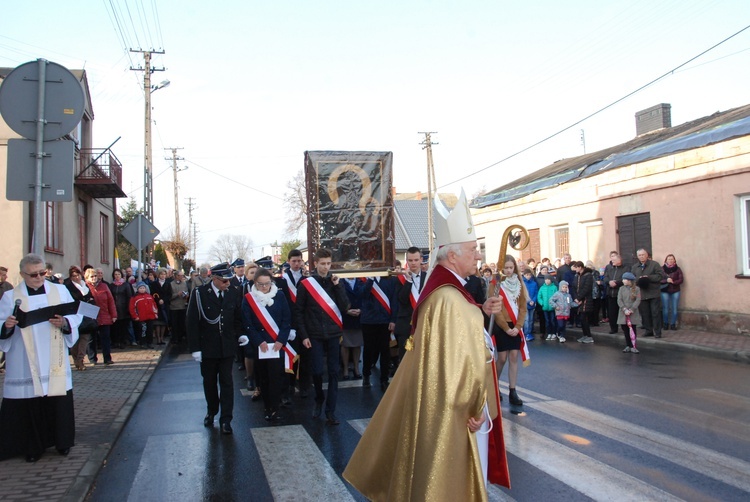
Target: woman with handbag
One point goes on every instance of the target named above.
(81, 293)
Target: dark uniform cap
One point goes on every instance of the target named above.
(239, 262)
(222, 271)
(426, 258)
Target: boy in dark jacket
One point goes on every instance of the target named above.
(321, 300)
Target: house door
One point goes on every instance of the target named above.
(82, 226)
(633, 233)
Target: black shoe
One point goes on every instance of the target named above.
(366, 382)
(658, 335)
(275, 418)
(303, 394)
(331, 419)
(250, 384)
(514, 399)
(32, 458)
(63, 451)
(383, 386)
(285, 401)
(613, 332)
(673, 327)
(318, 409)
(226, 428)
(208, 421)
(649, 333)
(109, 363)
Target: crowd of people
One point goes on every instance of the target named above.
(291, 330)
(573, 293)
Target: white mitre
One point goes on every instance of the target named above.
(453, 227)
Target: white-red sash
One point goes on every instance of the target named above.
(324, 300)
(268, 322)
(413, 295)
(525, 356)
(380, 296)
(292, 287)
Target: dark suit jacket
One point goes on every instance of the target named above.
(235, 283)
(214, 340)
(405, 310)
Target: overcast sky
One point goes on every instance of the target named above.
(256, 83)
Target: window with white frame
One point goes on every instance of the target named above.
(561, 240)
(52, 222)
(745, 233)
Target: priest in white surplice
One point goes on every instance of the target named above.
(37, 407)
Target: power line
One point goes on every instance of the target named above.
(234, 181)
(673, 70)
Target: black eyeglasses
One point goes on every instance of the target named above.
(35, 274)
(263, 284)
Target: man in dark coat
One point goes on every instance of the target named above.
(214, 327)
(321, 299)
(407, 296)
(649, 275)
(613, 277)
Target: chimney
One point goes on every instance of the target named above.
(419, 195)
(654, 118)
(393, 192)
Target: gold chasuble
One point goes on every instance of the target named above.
(417, 445)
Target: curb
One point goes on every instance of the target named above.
(84, 482)
(738, 356)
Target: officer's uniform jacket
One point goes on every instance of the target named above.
(213, 328)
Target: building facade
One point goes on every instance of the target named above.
(78, 232)
(683, 190)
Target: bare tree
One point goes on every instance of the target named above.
(228, 247)
(295, 201)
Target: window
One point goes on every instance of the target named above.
(561, 241)
(52, 221)
(745, 233)
(104, 237)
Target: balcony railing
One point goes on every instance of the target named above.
(99, 173)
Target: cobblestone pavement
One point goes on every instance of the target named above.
(105, 396)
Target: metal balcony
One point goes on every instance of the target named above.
(99, 173)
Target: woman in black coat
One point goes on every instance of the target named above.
(584, 282)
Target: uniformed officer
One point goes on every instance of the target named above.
(214, 326)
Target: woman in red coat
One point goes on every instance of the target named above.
(106, 318)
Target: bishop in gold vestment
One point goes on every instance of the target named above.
(417, 445)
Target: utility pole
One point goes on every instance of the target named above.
(191, 243)
(148, 192)
(174, 160)
(583, 141)
(431, 186)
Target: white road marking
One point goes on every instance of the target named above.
(730, 470)
(182, 396)
(294, 466)
(585, 474)
(181, 482)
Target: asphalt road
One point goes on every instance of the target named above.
(596, 424)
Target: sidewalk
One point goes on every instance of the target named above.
(719, 345)
(105, 396)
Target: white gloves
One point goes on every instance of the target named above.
(243, 340)
(292, 334)
(198, 356)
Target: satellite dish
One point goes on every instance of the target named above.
(63, 100)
